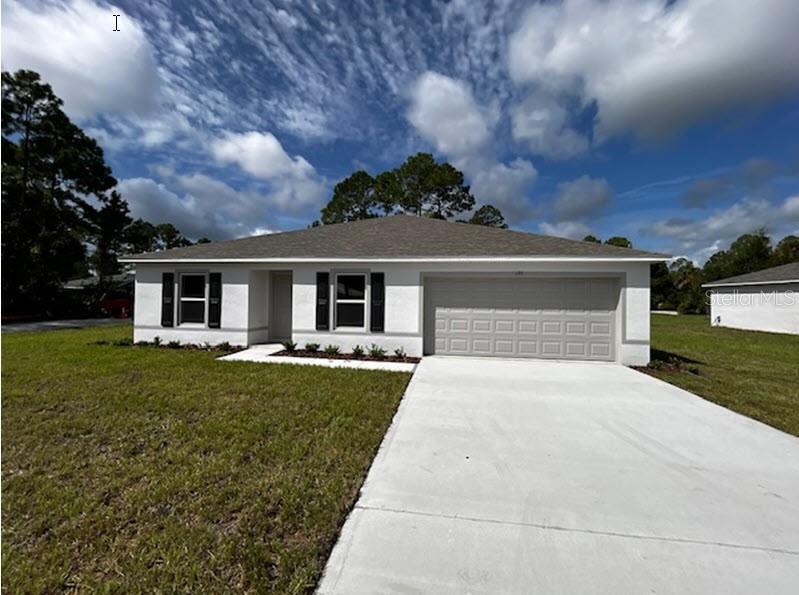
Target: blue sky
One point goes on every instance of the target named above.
(672, 123)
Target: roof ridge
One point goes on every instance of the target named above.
(397, 236)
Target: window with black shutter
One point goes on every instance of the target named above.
(322, 301)
(378, 301)
(214, 300)
(168, 299)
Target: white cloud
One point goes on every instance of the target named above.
(294, 184)
(505, 186)
(574, 230)
(790, 208)
(581, 198)
(543, 124)
(199, 205)
(91, 67)
(444, 111)
(259, 154)
(655, 67)
(698, 236)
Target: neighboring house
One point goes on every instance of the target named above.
(424, 285)
(766, 300)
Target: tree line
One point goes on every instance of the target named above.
(678, 285)
(62, 217)
(420, 186)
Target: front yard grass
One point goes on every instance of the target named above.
(753, 373)
(138, 469)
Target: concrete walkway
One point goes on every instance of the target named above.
(49, 325)
(534, 477)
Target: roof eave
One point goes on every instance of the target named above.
(648, 258)
(745, 283)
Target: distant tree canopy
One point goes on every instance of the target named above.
(61, 216)
(619, 241)
(678, 286)
(420, 186)
(488, 216)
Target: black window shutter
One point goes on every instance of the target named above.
(214, 299)
(168, 299)
(322, 301)
(378, 306)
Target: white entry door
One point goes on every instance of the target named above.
(280, 311)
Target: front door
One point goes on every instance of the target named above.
(280, 310)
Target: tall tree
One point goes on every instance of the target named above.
(109, 223)
(688, 279)
(49, 168)
(432, 189)
(592, 238)
(750, 252)
(353, 198)
(787, 250)
(662, 295)
(489, 216)
(143, 236)
(420, 186)
(619, 241)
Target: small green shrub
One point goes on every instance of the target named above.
(358, 351)
(142, 344)
(332, 349)
(377, 352)
(126, 342)
(289, 346)
(224, 346)
(174, 345)
(399, 352)
(156, 341)
(312, 347)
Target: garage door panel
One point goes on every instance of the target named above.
(576, 328)
(504, 326)
(552, 348)
(545, 317)
(503, 347)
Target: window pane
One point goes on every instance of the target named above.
(192, 286)
(349, 314)
(350, 287)
(192, 311)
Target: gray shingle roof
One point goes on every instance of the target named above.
(780, 274)
(399, 236)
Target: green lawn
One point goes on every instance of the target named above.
(753, 373)
(137, 469)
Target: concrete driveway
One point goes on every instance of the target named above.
(505, 476)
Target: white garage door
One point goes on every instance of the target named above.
(569, 318)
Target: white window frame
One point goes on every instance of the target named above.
(363, 302)
(181, 299)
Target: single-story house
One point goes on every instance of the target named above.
(424, 285)
(766, 300)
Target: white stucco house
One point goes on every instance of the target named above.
(428, 286)
(766, 300)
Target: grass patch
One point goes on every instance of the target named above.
(150, 470)
(753, 373)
